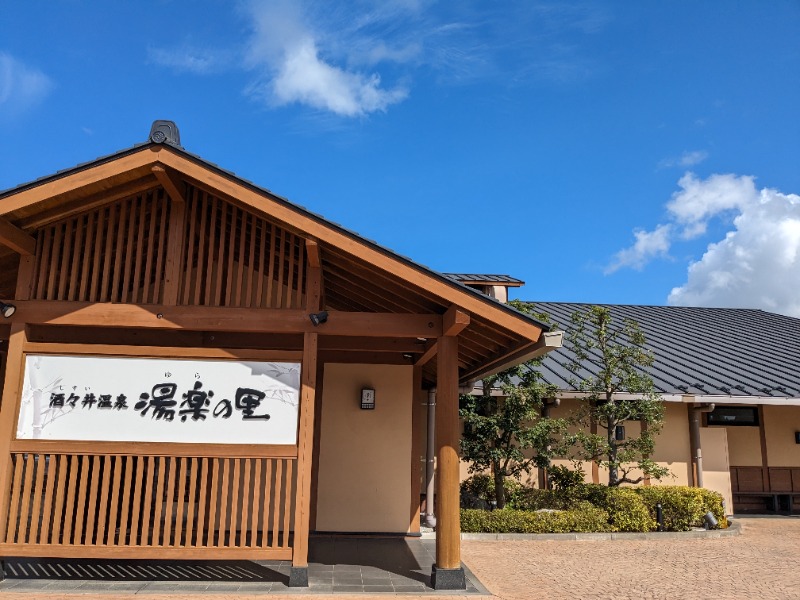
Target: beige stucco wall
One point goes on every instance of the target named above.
(716, 465)
(744, 446)
(780, 425)
(365, 455)
(672, 450)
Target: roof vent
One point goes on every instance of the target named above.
(165, 132)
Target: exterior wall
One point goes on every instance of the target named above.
(716, 465)
(672, 450)
(780, 425)
(364, 457)
(744, 446)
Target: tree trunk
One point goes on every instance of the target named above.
(499, 488)
(613, 474)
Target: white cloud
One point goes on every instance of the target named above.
(757, 264)
(189, 59)
(648, 245)
(295, 67)
(685, 160)
(21, 86)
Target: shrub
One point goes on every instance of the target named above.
(536, 499)
(482, 486)
(683, 507)
(626, 509)
(582, 518)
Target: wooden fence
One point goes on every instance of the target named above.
(132, 506)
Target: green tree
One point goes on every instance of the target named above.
(609, 362)
(504, 424)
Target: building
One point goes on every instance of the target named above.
(730, 379)
(195, 367)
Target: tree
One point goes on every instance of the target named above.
(618, 391)
(502, 426)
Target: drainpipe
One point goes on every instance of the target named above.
(546, 406)
(430, 519)
(694, 440)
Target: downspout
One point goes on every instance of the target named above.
(694, 440)
(546, 406)
(430, 452)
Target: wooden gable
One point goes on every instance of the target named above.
(156, 226)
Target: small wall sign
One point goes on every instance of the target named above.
(368, 399)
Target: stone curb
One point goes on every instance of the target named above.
(733, 530)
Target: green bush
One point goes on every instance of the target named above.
(591, 507)
(583, 518)
(536, 499)
(482, 486)
(683, 507)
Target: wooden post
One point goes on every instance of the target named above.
(8, 415)
(762, 434)
(298, 577)
(175, 243)
(416, 448)
(447, 573)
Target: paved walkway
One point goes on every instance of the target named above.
(762, 563)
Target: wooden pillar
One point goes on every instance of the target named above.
(8, 415)
(298, 577)
(416, 449)
(595, 466)
(762, 433)
(447, 572)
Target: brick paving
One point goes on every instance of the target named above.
(762, 563)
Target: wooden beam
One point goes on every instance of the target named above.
(169, 183)
(83, 178)
(428, 355)
(13, 237)
(81, 205)
(313, 253)
(454, 321)
(205, 318)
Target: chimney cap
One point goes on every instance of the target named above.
(165, 132)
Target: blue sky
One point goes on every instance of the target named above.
(621, 152)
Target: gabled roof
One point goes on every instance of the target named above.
(389, 282)
(736, 352)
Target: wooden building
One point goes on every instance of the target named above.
(152, 262)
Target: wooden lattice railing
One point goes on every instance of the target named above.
(149, 506)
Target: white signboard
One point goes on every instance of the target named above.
(159, 400)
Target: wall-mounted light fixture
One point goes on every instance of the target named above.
(7, 309)
(619, 433)
(319, 318)
(368, 399)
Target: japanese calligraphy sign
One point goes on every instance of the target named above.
(91, 398)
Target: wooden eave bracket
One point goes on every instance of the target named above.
(454, 321)
(313, 253)
(170, 183)
(15, 238)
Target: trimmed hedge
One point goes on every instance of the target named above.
(592, 507)
(683, 507)
(585, 518)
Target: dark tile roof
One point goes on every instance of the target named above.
(484, 279)
(700, 351)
